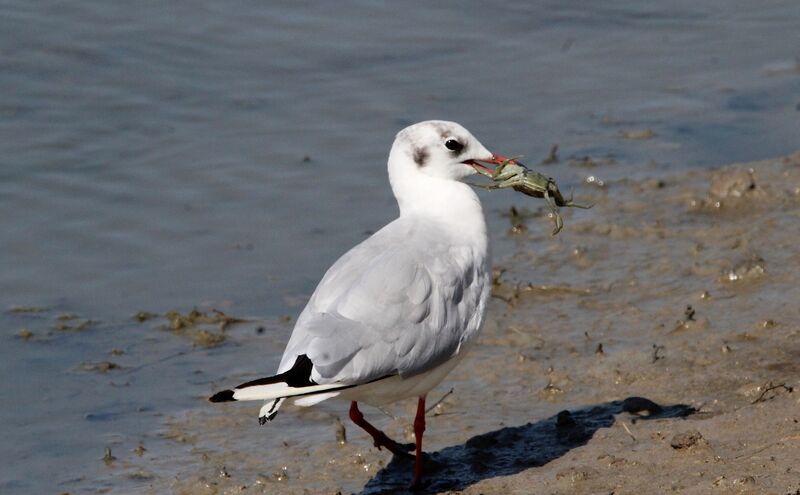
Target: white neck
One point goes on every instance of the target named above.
(450, 202)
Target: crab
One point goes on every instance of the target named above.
(512, 174)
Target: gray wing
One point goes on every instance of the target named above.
(398, 303)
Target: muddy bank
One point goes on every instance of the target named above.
(652, 346)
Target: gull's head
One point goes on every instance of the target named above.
(440, 149)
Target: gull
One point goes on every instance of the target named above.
(395, 314)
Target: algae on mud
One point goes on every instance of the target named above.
(205, 329)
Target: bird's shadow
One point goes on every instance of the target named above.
(513, 449)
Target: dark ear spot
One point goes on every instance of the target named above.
(420, 156)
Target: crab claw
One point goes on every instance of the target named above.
(496, 160)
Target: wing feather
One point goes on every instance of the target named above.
(398, 303)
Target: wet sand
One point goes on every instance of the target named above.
(653, 346)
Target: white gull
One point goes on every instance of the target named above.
(394, 315)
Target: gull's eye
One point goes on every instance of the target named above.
(453, 145)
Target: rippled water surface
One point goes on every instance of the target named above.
(167, 155)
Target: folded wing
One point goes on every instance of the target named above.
(401, 302)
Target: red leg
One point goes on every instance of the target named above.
(380, 438)
(419, 429)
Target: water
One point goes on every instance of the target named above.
(170, 155)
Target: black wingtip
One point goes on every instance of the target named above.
(262, 420)
(224, 396)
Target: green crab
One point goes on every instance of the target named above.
(511, 174)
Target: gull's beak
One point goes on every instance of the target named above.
(495, 160)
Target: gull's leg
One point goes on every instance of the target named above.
(419, 429)
(380, 438)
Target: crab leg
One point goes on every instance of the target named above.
(554, 210)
